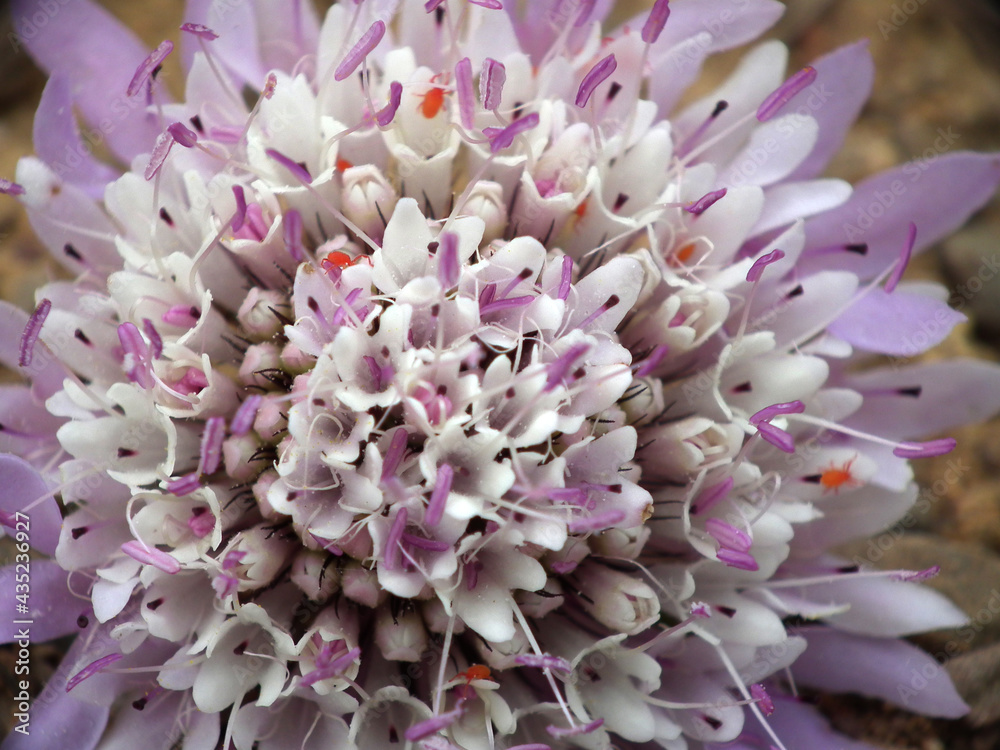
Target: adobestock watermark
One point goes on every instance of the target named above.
(901, 13)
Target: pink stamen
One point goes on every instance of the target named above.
(435, 724)
(544, 661)
(712, 495)
(657, 19)
(785, 93)
(199, 30)
(182, 316)
(490, 4)
(292, 234)
(776, 437)
(393, 551)
(586, 8)
(201, 524)
(566, 278)
(164, 142)
(148, 66)
(10, 188)
(154, 337)
(505, 304)
(135, 348)
(704, 203)
(597, 75)
(770, 412)
(429, 544)
(652, 361)
(151, 556)
(736, 559)
(915, 576)
(700, 610)
(91, 669)
(904, 259)
(184, 485)
(232, 559)
(394, 455)
(299, 171)
(471, 572)
(574, 731)
(757, 269)
(448, 266)
(245, 415)
(385, 115)
(759, 694)
(432, 5)
(32, 330)
(491, 80)
(439, 496)
(368, 41)
(928, 449)
(558, 369)
(728, 535)
(613, 300)
(183, 135)
(236, 223)
(463, 85)
(211, 445)
(503, 138)
(270, 84)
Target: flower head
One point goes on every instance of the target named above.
(456, 387)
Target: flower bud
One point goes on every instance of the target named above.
(259, 357)
(361, 585)
(400, 637)
(618, 600)
(685, 447)
(366, 193)
(315, 575)
(487, 202)
(255, 315)
(236, 454)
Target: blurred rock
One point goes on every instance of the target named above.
(977, 677)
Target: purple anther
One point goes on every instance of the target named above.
(393, 551)
(736, 559)
(10, 188)
(270, 84)
(394, 455)
(241, 209)
(385, 115)
(432, 5)
(558, 369)
(576, 730)
(652, 361)
(439, 496)
(368, 41)
(32, 330)
(596, 522)
(91, 669)
(148, 66)
(704, 203)
(785, 93)
(757, 269)
(566, 277)
(657, 19)
(544, 661)
(491, 80)
(728, 535)
(710, 496)
(471, 572)
(466, 96)
(151, 556)
(245, 415)
(927, 449)
(531, 746)
(904, 259)
(137, 355)
(776, 437)
(490, 4)
(374, 370)
(232, 559)
(503, 138)
(700, 610)
(200, 31)
(759, 694)
(448, 265)
(915, 576)
(292, 234)
(613, 300)
(184, 485)
(770, 412)
(164, 142)
(435, 724)
(201, 524)
(182, 316)
(211, 445)
(297, 169)
(155, 341)
(429, 544)
(586, 8)
(183, 135)
(509, 303)
(597, 75)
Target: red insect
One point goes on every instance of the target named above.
(475, 672)
(433, 101)
(834, 478)
(340, 259)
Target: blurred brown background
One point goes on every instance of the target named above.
(938, 67)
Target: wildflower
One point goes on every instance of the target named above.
(398, 406)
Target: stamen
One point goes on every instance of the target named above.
(491, 4)
(505, 304)
(164, 142)
(574, 731)
(182, 316)
(394, 455)
(151, 556)
(491, 80)
(701, 205)
(904, 259)
(91, 669)
(728, 535)
(770, 412)
(736, 559)
(297, 169)
(292, 234)
(776, 437)
(154, 337)
(586, 8)
(566, 278)
(432, 5)
(385, 115)
(200, 31)
(785, 93)
(136, 355)
(10, 188)
(712, 495)
(392, 548)
(245, 415)
(463, 85)
(613, 300)
(270, 84)
(201, 523)
(501, 138)
(183, 135)
(928, 449)
(652, 361)
(368, 41)
(558, 369)
(657, 19)
(211, 445)
(241, 209)
(148, 66)
(184, 485)
(597, 75)
(429, 544)
(757, 269)
(32, 330)
(544, 661)
(759, 694)
(442, 486)
(435, 724)
(915, 576)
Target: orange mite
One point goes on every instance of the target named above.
(433, 101)
(475, 672)
(343, 165)
(682, 256)
(834, 478)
